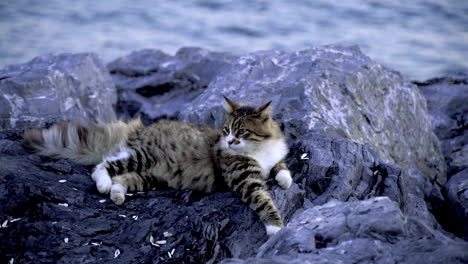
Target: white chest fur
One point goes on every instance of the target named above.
(270, 153)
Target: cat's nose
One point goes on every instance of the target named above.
(234, 141)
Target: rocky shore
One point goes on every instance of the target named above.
(379, 163)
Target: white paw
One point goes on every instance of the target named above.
(103, 180)
(284, 179)
(117, 193)
(271, 229)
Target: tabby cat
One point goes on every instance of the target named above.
(131, 157)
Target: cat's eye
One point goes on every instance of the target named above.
(241, 131)
(226, 130)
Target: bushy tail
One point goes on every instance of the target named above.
(85, 144)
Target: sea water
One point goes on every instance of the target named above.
(421, 39)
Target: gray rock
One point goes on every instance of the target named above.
(204, 227)
(329, 169)
(368, 231)
(154, 85)
(356, 131)
(336, 91)
(447, 99)
(54, 88)
(340, 92)
(219, 224)
(456, 213)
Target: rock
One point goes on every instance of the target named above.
(329, 169)
(336, 91)
(452, 213)
(447, 99)
(333, 90)
(356, 132)
(340, 92)
(368, 231)
(54, 88)
(154, 85)
(203, 227)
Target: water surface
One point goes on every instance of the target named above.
(421, 39)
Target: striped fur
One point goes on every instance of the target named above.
(244, 177)
(131, 157)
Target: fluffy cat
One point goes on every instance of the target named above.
(131, 157)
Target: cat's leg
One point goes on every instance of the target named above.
(135, 159)
(244, 178)
(100, 173)
(102, 178)
(125, 161)
(132, 182)
(282, 175)
(119, 189)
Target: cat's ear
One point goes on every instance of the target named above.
(265, 109)
(230, 106)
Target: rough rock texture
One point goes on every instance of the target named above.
(447, 101)
(331, 90)
(335, 90)
(369, 231)
(203, 227)
(356, 131)
(340, 92)
(455, 218)
(154, 85)
(54, 88)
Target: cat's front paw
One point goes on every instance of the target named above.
(272, 229)
(117, 194)
(284, 179)
(103, 180)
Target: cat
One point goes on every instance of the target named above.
(132, 157)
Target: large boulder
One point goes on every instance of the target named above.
(54, 88)
(368, 231)
(340, 92)
(154, 85)
(336, 91)
(331, 90)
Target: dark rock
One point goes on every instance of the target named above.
(454, 214)
(204, 227)
(368, 231)
(447, 99)
(54, 88)
(154, 85)
(330, 169)
(356, 131)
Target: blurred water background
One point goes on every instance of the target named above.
(421, 39)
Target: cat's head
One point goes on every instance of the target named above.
(246, 128)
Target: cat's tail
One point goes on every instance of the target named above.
(85, 144)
